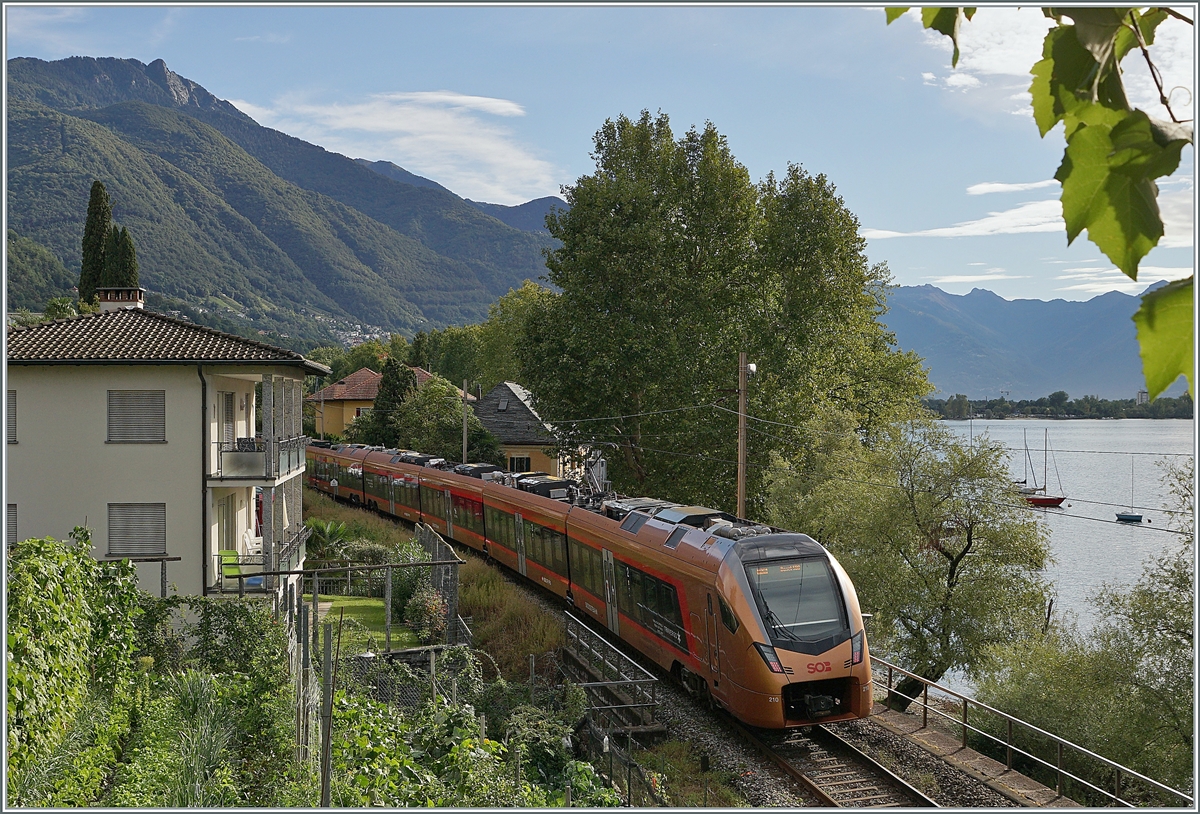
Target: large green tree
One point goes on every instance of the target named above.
(671, 262)
(503, 330)
(95, 234)
(380, 425)
(941, 549)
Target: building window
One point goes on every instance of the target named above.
(359, 411)
(137, 529)
(10, 416)
(503, 405)
(10, 529)
(137, 416)
(518, 463)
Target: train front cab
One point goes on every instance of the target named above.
(799, 653)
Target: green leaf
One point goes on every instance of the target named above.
(946, 21)
(1107, 176)
(895, 13)
(1164, 329)
(1064, 82)
(1096, 29)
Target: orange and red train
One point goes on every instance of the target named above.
(763, 621)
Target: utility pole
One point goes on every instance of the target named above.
(465, 408)
(741, 451)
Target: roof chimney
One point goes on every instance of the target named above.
(113, 298)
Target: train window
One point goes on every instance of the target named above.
(556, 545)
(727, 618)
(676, 536)
(586, 571)
(800, 596)
(431, 502)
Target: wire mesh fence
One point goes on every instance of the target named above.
(614, 755)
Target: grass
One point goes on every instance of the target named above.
(679, 763)
(363, 623)
(360, 524)
(508, 625)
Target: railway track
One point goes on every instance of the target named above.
(832, 770)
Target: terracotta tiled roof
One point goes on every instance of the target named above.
(137, 336)
(361, 385)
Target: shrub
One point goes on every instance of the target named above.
(70, 633)
(425, 613)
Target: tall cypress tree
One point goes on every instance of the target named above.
(129, 264)
(111, 271)
(120, 259)
(95, 233)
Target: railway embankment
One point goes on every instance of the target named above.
(993, 774)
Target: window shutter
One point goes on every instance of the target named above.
(137, 416)
(227, 422)
(10, 517)
(11, 416)
(137, 529)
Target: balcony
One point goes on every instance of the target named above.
(255, 572)
(254, 458)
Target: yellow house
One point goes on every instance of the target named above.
(335, 406)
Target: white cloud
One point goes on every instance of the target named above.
(999, 46)
(962, 80)
(59, 30)
(271, 38)
(991, 186)
(1178, 210)
(1102, 279)
(1034, 216)
(987, 276)
(447, 136)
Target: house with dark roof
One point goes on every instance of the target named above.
(507, 413)
(145, 429)
(338, 404)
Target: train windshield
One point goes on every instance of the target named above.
(799, 598)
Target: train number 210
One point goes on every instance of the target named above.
(818, 667)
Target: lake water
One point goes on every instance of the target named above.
(1093, 460)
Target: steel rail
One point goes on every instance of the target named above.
(791, 771)
(823, 732)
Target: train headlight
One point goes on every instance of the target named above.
(856, 648)
(768, 654)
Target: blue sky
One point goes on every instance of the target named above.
(944, 168)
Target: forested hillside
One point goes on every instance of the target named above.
(234, 221)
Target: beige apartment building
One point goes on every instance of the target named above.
(143, 428)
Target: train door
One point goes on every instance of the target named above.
(610, 592)
(714, 650)
(520, 526)
(391, 482)
(448, 505)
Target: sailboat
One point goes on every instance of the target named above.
(1130, 516)
(1037, 495)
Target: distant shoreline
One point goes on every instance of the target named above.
(1064, 418)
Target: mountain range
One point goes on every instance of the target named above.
(253, 231)
(244, 226)
(980, 344)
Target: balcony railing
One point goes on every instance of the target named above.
(254, 458)
(242, 573)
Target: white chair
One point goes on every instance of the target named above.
(253, 545)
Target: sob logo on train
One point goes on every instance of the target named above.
(819, 667)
